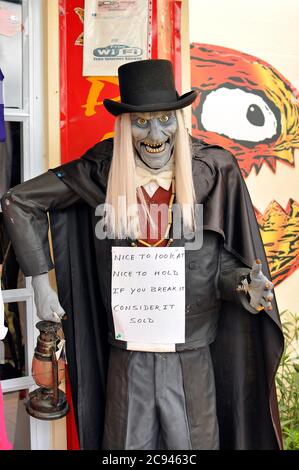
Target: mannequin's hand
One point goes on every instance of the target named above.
(46, 299)
(259, 288)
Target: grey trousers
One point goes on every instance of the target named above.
(161, 401)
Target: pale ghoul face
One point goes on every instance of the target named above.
(154, 136)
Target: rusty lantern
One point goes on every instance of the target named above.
(47, 402)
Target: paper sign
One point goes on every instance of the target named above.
(148, 294)
(115, 32)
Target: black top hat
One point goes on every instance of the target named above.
(147, 85)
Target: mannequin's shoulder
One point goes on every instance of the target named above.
(94, 163)
(100, 151)
(214, 156)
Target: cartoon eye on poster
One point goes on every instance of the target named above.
(115, 32)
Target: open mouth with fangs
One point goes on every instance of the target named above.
(155, 147)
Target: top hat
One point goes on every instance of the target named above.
(146, 86)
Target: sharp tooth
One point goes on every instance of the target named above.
(155, 148)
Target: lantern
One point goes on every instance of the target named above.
(47, 402)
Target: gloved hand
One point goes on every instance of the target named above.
(46, 299)
(258, 287)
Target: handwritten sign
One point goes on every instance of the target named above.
(148, 294)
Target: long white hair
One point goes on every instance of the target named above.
(121, 214)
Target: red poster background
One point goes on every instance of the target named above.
(83, 118)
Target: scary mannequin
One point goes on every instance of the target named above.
(158, 395)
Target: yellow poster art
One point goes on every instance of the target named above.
(249, 108)
(245, 67)
(248, 103)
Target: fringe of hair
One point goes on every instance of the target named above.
(121, 216)
(184, 187)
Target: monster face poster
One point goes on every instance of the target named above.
(245, 66)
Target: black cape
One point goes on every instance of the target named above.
(248, 347)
